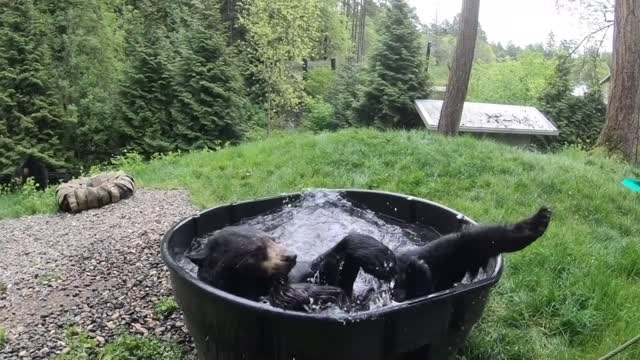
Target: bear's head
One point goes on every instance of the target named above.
(242, 260)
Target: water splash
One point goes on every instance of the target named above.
(322, 218)
(317, 221)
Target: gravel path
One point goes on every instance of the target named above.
(100, 269)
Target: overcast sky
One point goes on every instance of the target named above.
(520, 21)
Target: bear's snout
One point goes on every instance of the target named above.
(290, 258)
(279, 260)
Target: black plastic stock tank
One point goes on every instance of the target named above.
(224, 326)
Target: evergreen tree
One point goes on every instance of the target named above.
(210, 102)
(30, 115)
(396, 72)
(87, 49)
(147, 103)
(346, 94)
(147, 95)
(579, 118)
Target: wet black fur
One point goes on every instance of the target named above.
(444, 261)
(230, 258)
(230, 261)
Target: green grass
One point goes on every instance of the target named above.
(80, 346)
(125, 347)
(573, 295)
(165, 307)
(26, 201)
(48, 278)
(3, 338)
(129, 347)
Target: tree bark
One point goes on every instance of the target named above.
(622, 130)
(461, 70)
(362, 29)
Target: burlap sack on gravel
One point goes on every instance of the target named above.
(93, 192)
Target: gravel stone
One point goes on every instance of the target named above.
(100, 269)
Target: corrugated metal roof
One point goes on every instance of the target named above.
(491, 118)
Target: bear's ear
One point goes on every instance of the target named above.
(198, 256)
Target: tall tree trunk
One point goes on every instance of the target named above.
(354, 25)
(361, 30)
(461, 70)
(622, 131)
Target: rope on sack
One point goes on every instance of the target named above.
(93, 192)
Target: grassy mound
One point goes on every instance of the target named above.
(575, 294)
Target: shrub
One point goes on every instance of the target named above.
(319, 82)
(166, 307)
(319, 115)
(579, 119)
(80, 345)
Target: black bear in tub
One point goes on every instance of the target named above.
(429, 319)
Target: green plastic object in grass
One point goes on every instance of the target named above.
(632, 184)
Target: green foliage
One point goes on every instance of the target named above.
(134, 347)
(332, 37)
(512, 74)
(442, 48)
(27, 200)
(346, 95)
(519, 81)
(126, 347)
(160, 76)
(47, 278)
(166, 307)
(319, 115)
(484, 53)
(31, 119)
(579, 118)
(183, 89)
(3, 338)
(255, 123)
(396, 73)
(125, 159)
(87, 44)
(148, 95)
(590, 67)
(278, 32)
(439, 75)
(319, 82)
(210, 96)
(81, 81)
(80, 345)
(443, 37)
